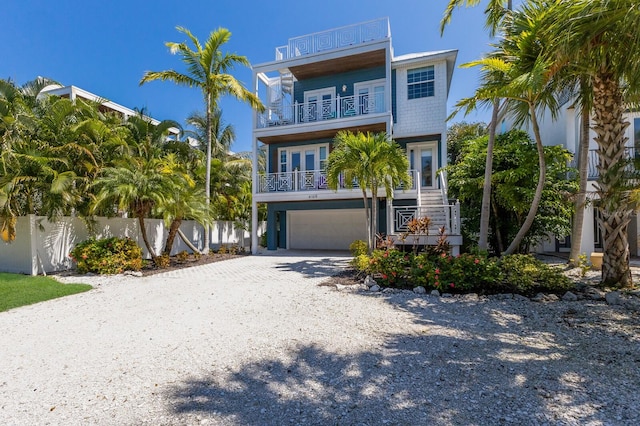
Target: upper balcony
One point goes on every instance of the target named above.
(334, 39)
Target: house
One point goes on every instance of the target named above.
(565, 130)
(73, 93)
(348, 79)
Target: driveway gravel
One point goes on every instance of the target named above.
(257, 341)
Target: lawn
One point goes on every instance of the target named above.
(20, 290)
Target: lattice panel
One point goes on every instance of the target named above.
(324, 41)
(308, 181)
(348, 36)
(373, 30)
(403, 217)
(301, 46)
(285, 183)
(268, 183)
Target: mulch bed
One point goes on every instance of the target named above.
(151, 269)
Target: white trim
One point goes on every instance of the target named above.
(371, 85)
(302, 150)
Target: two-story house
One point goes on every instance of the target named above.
(348, 79)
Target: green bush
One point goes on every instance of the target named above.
(526, 275)
(362, 263)
(390, 266)
(421, 270)
(466, 272)
(359, 247)
(107, 256)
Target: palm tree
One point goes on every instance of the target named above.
(137, 185)
(602, 36)
(517, 72)
(207, 69)
(371, 160)
(495, 13)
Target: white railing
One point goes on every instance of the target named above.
(334, 39)
(311, 180)
(447, 215)
(326, 109)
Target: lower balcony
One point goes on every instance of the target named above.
(312, 184)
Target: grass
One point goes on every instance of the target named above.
(20, 290)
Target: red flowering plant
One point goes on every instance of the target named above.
(421, 270)
(466, 272)
(389, 267)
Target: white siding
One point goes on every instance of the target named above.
(423, 116)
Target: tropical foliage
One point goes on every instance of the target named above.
(208, 70)
(513, 184)
(61, 157)
(373, 162)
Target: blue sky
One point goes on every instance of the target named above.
(106, 46)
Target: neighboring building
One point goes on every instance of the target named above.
(73, 92)
(565, 131)
(349, 79)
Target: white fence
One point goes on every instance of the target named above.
(42, 246)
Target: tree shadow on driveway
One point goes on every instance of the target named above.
(486, 363)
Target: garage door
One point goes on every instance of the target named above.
(325, 229)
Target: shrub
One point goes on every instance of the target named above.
(389, 265)
(421, 268)
(361, 262)
(162, 262)
(527, 275)
(222, 249)
(359, 247)
(107, 256)
(182, 256)
(465, 272)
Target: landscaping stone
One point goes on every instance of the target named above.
(613, 298)
(419, 290)
(447, 295)
(538, 298)
(520, 298)
(435, 293)
(369, 281)
(374, 288)
(569, 297)
(594, 293)
(133, 273)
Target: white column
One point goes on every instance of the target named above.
(254, 178)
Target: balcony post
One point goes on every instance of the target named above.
(338, 106)
(418, 189)
(295, 112)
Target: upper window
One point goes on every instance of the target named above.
(421, 82)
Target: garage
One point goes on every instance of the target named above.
(325, 229)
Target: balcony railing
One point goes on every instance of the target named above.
(444, 215)
(326, 109)
(593, 160)
(311, 180)
(334, 39)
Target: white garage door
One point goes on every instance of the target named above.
(325, 229)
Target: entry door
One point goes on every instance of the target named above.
(370, 97)
(319, 104)
(422, 157)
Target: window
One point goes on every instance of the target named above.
(421, 82)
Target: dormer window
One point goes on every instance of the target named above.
(421, 82)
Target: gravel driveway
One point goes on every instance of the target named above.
(257, 341)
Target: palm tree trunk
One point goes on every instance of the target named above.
(533, 210)
(374, 213)
(207, 183)
(485, 209)
(173, 231)
(496, 229)
(367, 214)
(187, 242)
(145, 238)
(614, 207)
(581, 196)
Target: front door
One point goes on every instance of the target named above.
(422, 158)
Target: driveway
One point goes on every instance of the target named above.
(257, 341)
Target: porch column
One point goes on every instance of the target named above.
(389, 216)
(254, 178)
